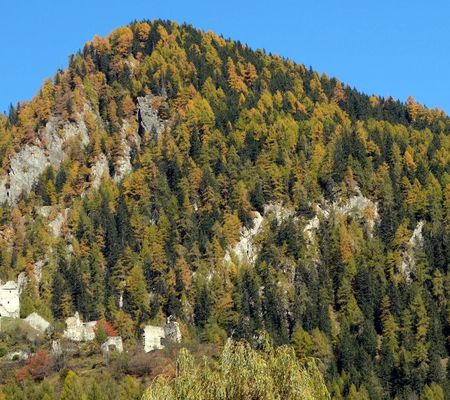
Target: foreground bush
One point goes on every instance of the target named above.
(37, 367)
(242, 373)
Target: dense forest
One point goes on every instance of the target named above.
(262, 199)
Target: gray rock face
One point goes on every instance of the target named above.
(356, 206)
(58, 222)
(148, 116)
(408, 264)
(31, 161)
(37, 269)
(123, 165)
(25, 167)
(98, 170)
(44, 211)
(54, 221)
(247, 249)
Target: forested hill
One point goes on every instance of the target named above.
(168, 171)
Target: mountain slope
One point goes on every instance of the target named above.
(168, 171)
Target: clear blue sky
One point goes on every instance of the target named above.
(385, 47)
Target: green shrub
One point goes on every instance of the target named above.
(3, 350)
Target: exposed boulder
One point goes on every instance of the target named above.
(20, 355)
(37, 322)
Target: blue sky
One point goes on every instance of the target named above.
(385, 47)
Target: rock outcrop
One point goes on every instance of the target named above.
(57, 224)
(98, 170)
(123, 165)
(148, 117)
(408, 261)
(357, 206)
(30, 162)
(246, 249)
(37, 322)
(20, 355)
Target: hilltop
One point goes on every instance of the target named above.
(171, 172)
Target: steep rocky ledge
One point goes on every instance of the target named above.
(246, 250)
(148, 116)
(31, 161)
(408, 264)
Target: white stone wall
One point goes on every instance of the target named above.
(89, 330)
(152, 338)
(78, 331)
(9, 300)
(114, 342)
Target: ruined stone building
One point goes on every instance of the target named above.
(9, 300)
(112, 344)
(153, 335)
(152, 338)
(172, 330)
(79, 331)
